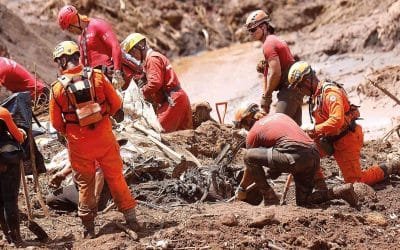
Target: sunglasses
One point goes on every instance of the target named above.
(252, 30)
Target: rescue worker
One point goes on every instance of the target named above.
(99, 46)
(275, 66)
(162, 86)
(277, 143)
(10, 177)
(16, 78)
(335, 129)
(81, 104)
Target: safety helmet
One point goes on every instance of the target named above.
(66, 15)
(256, 18)
(244, 110)
(65, 48)
(131, 40)
(297, 72)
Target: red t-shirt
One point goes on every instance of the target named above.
(102, 45)
(273, 47)
(275, 130)
(16, 78)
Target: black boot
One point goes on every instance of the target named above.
(344, 192)
(15, 233)
(131, 220)
(4, 227)
(88, 229)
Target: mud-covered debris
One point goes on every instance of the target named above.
(229, 220)
(263, 220)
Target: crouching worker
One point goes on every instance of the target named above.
(66, 198)
(277, 143)
(162, 86)
(10, 176)
(80, 108)
(335, 130)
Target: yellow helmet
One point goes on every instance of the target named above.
(255, 18)
(244, 110)
(65, 48)
(131, 40)
(297, 72)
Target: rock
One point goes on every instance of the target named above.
(229, 220)
(376, 219)
(263, 220)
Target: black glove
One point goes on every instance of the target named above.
(273, 174)
(265, 103)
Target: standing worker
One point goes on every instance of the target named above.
(162, 85)
(10, 177)
(335, 130)
(277, 143)
(275, 67)
(80, 107)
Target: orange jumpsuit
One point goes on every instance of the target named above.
(330, 107)
(87, 145)
(6, 117)
(161, 81)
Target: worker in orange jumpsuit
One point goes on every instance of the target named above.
(335, 130)
(10, 177)
(16, 78)
(81, 104)
(162, 87)
(275, 144)
(277, 60)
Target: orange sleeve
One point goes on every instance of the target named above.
(111, 95)
(5, 115)
(334, 107)
(55, 111)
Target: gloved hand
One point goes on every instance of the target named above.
(273, 175)
(117, 79)
(265, 103)
(240, 193)
(23, 133)
(309, 128)
(261, 66)
(56, 180)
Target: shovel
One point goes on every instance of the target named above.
(32, 225)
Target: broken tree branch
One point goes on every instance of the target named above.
(385, 91)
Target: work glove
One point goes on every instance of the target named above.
(273, 175)
(265, 103)
(56, 180)
(309, 128)
(117, 79)
(240, 193)
(23, 133)
(261, 66)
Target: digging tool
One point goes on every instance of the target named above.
(225, 104)
(249, 188)
(32, 225)
(35, 174)
(286, 189)
(385, 91)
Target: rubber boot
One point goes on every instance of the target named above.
(4, 227)
(88, 229)
(15, 233)
(131, 220)
(344, 192)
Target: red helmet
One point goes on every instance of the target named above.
(66, 15)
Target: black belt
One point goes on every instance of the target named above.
(350, 128)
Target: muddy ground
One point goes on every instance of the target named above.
(345, 40)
